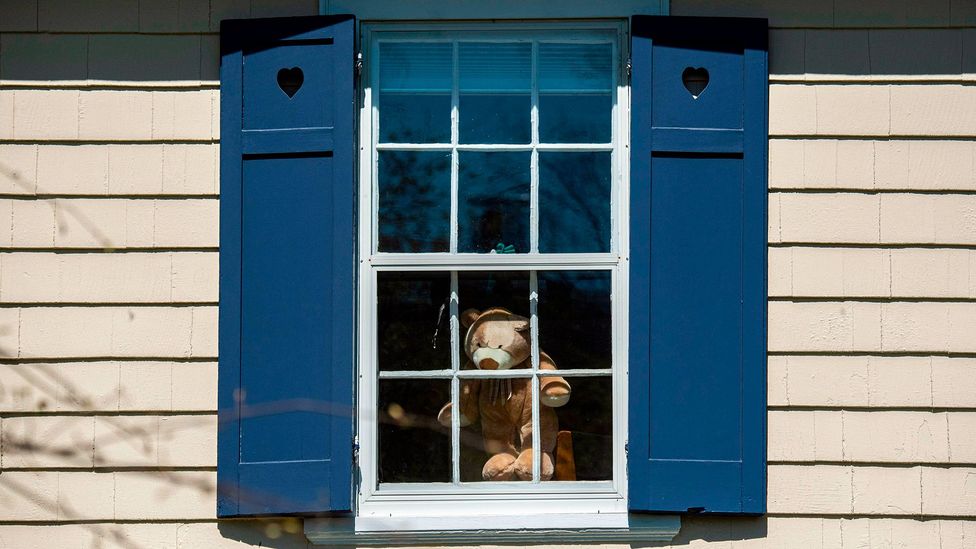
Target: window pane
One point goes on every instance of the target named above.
(487, 290)
(412, 445)
(493, 202)
(495, 100)
(415, 92)
(572, 118)
(575, 87)
(584, 448)
(413, 321)
(574, 202)
(494, 449)
(414, 201)
(574, 318)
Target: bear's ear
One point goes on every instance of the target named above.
(469, 316)
(521, 325)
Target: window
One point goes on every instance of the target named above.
(494, 171)
(345, 298)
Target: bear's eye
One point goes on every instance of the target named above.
(499, 347)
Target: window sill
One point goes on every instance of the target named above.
(549, 528)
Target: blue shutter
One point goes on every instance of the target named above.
(697, 429)
(286, 266)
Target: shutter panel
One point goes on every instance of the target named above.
(698, 266)
(286, 266)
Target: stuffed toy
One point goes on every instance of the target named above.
(499, 340)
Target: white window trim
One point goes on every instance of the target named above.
(606, 500)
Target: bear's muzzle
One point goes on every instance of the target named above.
(486, 358)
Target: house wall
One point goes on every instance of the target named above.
(108, 275)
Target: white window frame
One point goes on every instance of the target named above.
(515, 504)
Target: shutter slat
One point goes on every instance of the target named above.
(698, 267)
(307, 140)
(286, 267)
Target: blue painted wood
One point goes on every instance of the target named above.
(287, 259)
(309, 140)
(695, 140)
(697, 426)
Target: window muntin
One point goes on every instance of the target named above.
(508, 90)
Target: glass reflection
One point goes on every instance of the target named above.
(575, 318)
(495, 100)
(574, 202)
(575, 87)
(412, 324)
(412, 445)
(493, 202)
(415, 92)
(414, 201)
(584, 445)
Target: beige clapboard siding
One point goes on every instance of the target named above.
(872, 381)
(113, 169)
(718, 532)
(870, 490)
(42, 277)
(109, 223)
(153, 331)
(915, 273)
(118, 495)
(868, 218)
(109, 115)
(108, 386)
(872, 436)
(871, 164)
(108, 441)
(857, 326)
(860, 110)
(280, 533)
(189, 441)
(864, 110)
(175, 495)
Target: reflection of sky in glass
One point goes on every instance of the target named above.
(575, 82)
(415, 92)
(575, 93)
(493, 201)
(571, 118)
(495, 100)
(414, 201)
(575, 67)
(574, 202)
(415, 66)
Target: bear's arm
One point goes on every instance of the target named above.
(554, 390)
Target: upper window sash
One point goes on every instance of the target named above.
(537, 36)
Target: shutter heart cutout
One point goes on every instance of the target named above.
(695, 80)
(290, 80)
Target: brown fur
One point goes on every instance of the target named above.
(503, 405)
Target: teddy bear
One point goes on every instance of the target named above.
(497, 339)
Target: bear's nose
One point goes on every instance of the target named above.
(488, 364)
